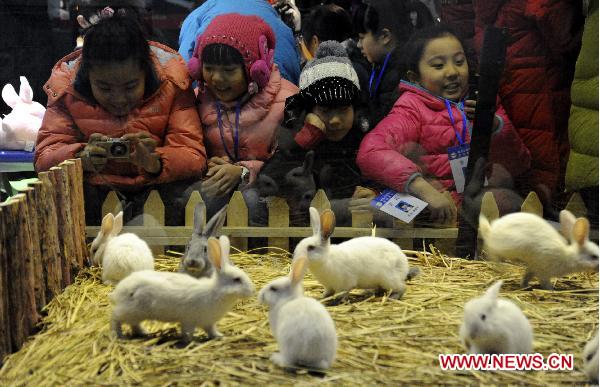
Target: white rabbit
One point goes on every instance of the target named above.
(301, 325)
(495, 325)
(530, 239)
(119, 255)
(365, 262)
(21, 125)
(179, 297)
(590, 359)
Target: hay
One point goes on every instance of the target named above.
(380, 340)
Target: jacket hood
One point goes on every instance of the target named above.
(168, 66)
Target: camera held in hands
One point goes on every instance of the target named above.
(116, 148)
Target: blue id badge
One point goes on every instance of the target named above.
(458, 156)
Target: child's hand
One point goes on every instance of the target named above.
(442, 209)
(93, 157)
(223, 177)
(361, 199)
(213, 161)
(470, 106)
(142, 151)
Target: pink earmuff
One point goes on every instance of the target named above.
(260, 71)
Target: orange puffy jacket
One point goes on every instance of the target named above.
(169, 115)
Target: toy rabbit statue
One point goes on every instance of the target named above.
(21, 125)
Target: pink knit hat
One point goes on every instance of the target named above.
(249, 35)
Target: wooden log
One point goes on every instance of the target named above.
(17, 280)
(532, 204)
(52, 255)
(237, 216)
(79, 202)
(190, 207)
(111, 204)
(154, 216)
(5, 334)
(279, 216)
(78, 238)
(65, 222)
(320, 201)
(35, 259)
(577, 206)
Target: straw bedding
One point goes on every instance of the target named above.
(380, 340)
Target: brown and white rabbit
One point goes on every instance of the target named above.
(495, 325)
(531, 240)
(365, 262)
(301, 325)
(178, 297)
(590, 359)
(119, 255)
(195, 260)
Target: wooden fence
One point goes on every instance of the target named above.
(42, 246)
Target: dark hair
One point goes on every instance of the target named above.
(413, 49)
(392, 15)
(364, 22)
(221, 54)
(424, 17)
(115, 39)
(327, 22)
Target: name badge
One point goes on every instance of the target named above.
(459, 158)
(400, 205)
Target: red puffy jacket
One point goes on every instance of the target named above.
(414, 138)
(544, 37)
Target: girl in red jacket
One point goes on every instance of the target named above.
(409, 149)
(241, 100)
(121, 87)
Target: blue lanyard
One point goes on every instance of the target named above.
(461, 139)
(236, 137)
(372, 93)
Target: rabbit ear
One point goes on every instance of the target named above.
(581, 231)
(118, 224)
(9, 95)
(214, 253)
(309, 160)
(567, 221)
(216, 222)
(327, 224)
(315, 220)
(25, 91)
(199, 216)
(492, 291)
(107, 224)
(297, 271)
(225, 246)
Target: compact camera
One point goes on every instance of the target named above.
(115, 148)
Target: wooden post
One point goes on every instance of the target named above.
(361, 219)
(279, 216)
(532, 204)
(447, 246)
(193, 201)
(79, 207)
(320, 201)
(404, 243)
(52, 255)
(17, 281)
(154, 216)
(35, 257)
(5, 333)
(237, 216)
(65, 222)
(79, 244)
(577, 206)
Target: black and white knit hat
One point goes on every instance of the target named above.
(329, 79)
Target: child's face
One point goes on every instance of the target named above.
(118, 86)
(226, 82)
(372, 47)
(443, 68)
(338, 120)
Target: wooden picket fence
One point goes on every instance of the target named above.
(279, 232)
(42, 246)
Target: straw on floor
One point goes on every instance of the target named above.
(380, 340)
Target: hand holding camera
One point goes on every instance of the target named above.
(143, 153)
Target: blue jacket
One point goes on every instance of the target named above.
(286, 52)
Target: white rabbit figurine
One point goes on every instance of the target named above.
(365, 262)
(301, 325)
(530, 239)
(590, 359)
(179, 297)
(119, 255)
(20, 127)
(495, 325)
